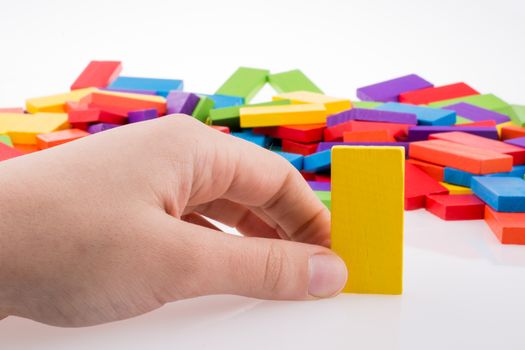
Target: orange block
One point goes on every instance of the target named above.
(508, 227)
(335, 133)
(437, 172)
(435, 94)
(368, 136)
(122, 103)
(480, 123)
(56, 138)
(25, 149)
(471, 159)
(512, 132)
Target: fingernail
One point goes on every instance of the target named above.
(327, 275)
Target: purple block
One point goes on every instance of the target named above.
(371, 115)
(93, 129)
(389, 91)
(520, 142)
(320, 185)
(475, 113)
(181, 102)
(142, 115)
(323, 146)
(142, 92)
(420, 133)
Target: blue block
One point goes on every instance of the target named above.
(318, 161)
(248, 135)
(503, 194)
(295, 159)
(222, 101)
(161, 86)
(463, 178)
(425, 115)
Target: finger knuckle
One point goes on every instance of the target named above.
(275, 268)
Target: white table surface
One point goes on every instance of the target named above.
(463, 290)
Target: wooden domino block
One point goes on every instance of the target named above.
(438, 93)
(371, 115)
(290, 81)
(8, 152)
(512, 132)
(283, 115)
(455, 189)
(325, 197)
(509, 228)
(389, 91)
(477, 114)
(6, 140)
(296, 160)
(230, 116)
(299, 133)
(59, 137)
(425, 115)
(161, 87)
(25, 132)
(181, 102)
(436, 172)
(517, 142)
(223, 129)
(318, 161)
(299, 148)
(491, 123)
(335, 133)
(418, 185)
(518, 115)
(503, 194)
(97, 74)
(455, 207)
(119, 103)
(367, 217)
(368, 136)
(467, 158)
(483, 143)
(420, 133)
(56, 103)
(244, 82)
(203, 108)
(487, 101)
(332, 104)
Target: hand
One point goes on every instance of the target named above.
(111, 226)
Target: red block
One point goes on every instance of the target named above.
(7, 152)
(299, 133)
(335, 133)
(299, 148)
(418, 185)
(25, 149)
(308, 176)
(462, 138)
(508, 227)
(80, 113)
(121, 104)
(56, 138)
(97, 74)
(322, 178)
(221, 128)
(512, 132)
(480, 123)
(455, 207)
(368, 136)
(435, 94)
(11, 110)
(437, 172)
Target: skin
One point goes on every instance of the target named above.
(112, 226)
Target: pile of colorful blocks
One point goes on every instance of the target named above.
(465, 151)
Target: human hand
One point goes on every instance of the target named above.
(111, 226)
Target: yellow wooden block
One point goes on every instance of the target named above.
(332, 104)
(367, 216)
(25, 130)
(283, 115)
(455, 189)
(500, 126)
(56, 103)
(10, 120)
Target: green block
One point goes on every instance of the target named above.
(461, 120)
(244, 82)
(291, 81)
(366, 104)
(325, 197)
(229, 116)
(202, 110)
(6, 139)
(487, 101)
(518, 115)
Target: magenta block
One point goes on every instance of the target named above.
(181, 102)
(389, 91)
(419, 133)
(371, 115)
(475, 113)
(99, 127)
(142, 115)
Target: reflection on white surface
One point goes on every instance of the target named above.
(462, 290)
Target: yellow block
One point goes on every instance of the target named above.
(500, 126)
(455, 189)
(24, 129)
(332, 104)
(367, 216)
(56, 103)
(10, 120)
(282, 115)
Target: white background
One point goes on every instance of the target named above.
(463, 290)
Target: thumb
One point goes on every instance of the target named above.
(256, 267)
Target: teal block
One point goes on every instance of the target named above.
(503, 194)
(161, 87)
(295, 159)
